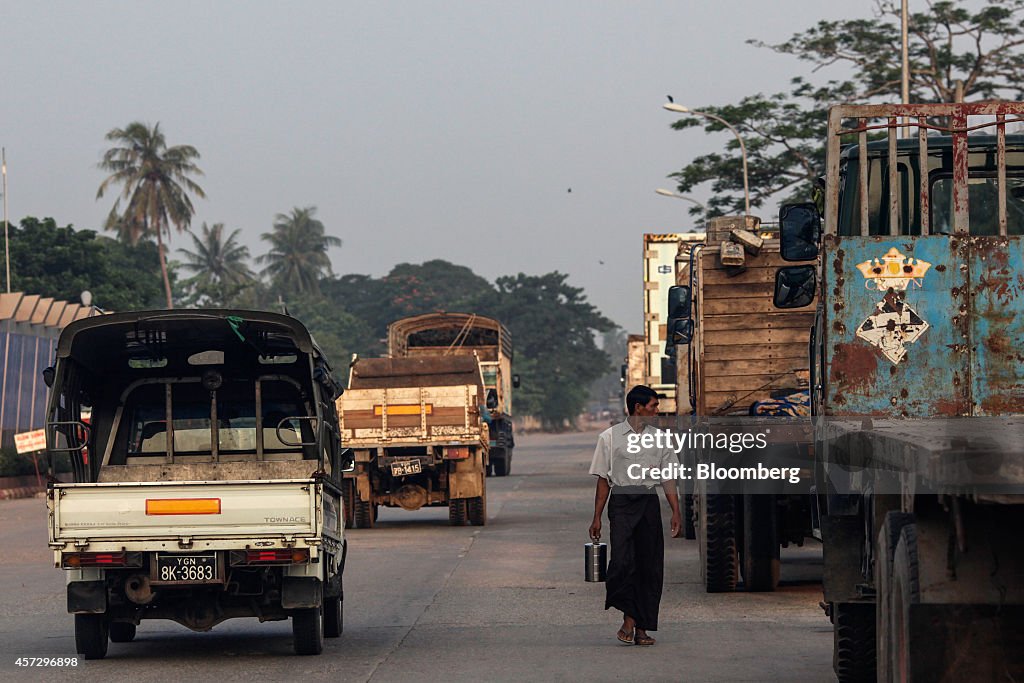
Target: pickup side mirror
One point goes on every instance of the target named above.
(48, 376)
(515, 381)
(678, 302)
(680, 331)
(799, 232)
(795, 286)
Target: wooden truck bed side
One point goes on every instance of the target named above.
(410, 415)
(745, 347)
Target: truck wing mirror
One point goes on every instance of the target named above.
(799, 232)
(794, 286)
(515, 381)
(48, 376)
(678, 302)
(680, 331)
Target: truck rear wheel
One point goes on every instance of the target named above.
(307, 631)
(760, 542)
(334, 618)
(885, 552)
(122, 632)
(853, 650)
(457, 511)
(91, 633)
(364, 514)
(718, 542)
(689, 530)
(476, 508)
(906, 591)
(501, 461)
(348, 496)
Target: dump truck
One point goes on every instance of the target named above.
(415, 427)
(742, 365)
(917, 387)
(453, 334)
(207, 477)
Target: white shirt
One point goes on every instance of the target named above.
(612, 458)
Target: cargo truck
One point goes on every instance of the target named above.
(207, 479)
(416, 428)
(739, 360)
(917, 387)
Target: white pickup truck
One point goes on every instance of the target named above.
(207, 470)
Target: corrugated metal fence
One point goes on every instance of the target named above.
(29, 326)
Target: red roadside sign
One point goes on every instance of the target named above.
(30, 442)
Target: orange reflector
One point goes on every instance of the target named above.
(404, 410)
(183, 506)
(457, 452)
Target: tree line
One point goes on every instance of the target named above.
(553, 325)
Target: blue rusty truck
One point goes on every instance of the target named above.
(917, 386)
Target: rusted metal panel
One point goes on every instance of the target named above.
(996, 269)
(894, 333)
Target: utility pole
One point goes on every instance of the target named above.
(7, 244)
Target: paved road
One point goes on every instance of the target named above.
(425, 601)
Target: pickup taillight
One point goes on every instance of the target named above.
(84, 560)
(270, 556)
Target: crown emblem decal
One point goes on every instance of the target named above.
(893, 271)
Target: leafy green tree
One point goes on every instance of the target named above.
(219, 266)
(156, 181)
(338, 333)
(950, 46)
(553, 327)
(61, 262)
(297, 259)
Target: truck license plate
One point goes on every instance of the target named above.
(187, 568)
(400, 469)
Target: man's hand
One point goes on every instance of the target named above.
(677, 525)
(595, 529)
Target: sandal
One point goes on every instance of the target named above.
(644, 640)
(625, 636)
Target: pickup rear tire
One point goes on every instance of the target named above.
(476, 508)
(457, 511)
(122, 632)
(334, 618)
(91, 635)
(308, 631)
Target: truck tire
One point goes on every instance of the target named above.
(334, 618)
(689, 529)
(308, 631)
(364, 514)
(457, 511)
(718, 542)
(906, 591)
(91, 634)
(760, 542)
(853, 647)
(500, 462)
(122, 632)
(476, 508)
(348, 502)
(885, 552)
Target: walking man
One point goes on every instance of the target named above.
(636, 570)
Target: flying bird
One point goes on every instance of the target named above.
(669, 98)
(569, 190)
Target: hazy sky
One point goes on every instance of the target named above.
(419, 129)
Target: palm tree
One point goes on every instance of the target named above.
(156, 180)
(297, 259)
(219, 264)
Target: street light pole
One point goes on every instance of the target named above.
(680, 109)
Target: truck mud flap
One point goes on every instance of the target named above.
(299, 592)
(87, 597)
